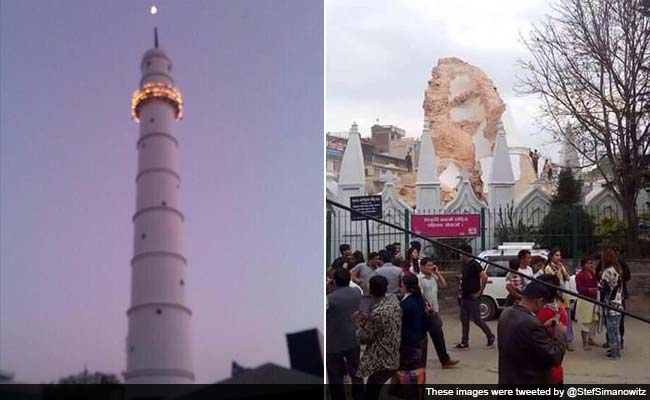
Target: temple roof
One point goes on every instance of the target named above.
(352, 170)
(501, 167)
(427, 161)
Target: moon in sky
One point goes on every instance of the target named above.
(154, 10)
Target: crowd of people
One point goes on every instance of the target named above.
(388, 306)
(539, 321)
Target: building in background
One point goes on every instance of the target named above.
(270, 373)
(306, 358)
(306, 354)
(390, 140)
(386, 152)
(383, 136)
(96, 378)
(6, 377)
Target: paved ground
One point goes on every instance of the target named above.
(479, 364)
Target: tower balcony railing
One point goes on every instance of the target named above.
(156, 90)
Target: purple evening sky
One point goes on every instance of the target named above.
(251, 157)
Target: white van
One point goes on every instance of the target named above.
(494, 296)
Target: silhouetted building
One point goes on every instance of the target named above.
(237, 369)
(85, 377)
(270, 373)
(6, 376)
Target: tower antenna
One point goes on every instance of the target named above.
(155, 37)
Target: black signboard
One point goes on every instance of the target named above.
(370, 205)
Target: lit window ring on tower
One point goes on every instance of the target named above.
(156, 90)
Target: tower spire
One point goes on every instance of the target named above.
(352, 175)
(427, 183)
(501, 183)
(155, 37)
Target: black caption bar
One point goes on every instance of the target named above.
(297, 391)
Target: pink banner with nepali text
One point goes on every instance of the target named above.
(447, 225)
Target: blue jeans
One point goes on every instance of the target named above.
(614, 334)
(470, 311)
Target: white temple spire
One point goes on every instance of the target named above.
(427, 161)
(352, 175)
(427, 185)
(501, 168)
(501, 184)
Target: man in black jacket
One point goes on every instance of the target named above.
(526, 350)
(344, 260)
(472, 283)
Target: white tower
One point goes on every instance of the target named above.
(501, 186)
(427, 184)
(570, 157)
(158, 342)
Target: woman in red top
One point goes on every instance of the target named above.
(553, 310)
(585, 311)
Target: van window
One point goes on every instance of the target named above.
(493, 271)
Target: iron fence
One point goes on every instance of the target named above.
(366, 236)
(575, 230)
(335, 208)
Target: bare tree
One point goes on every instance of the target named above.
(588, 62)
